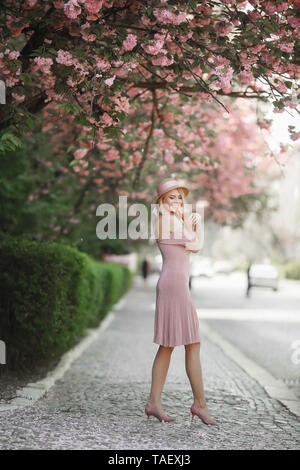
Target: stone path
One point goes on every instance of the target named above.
(99, 403)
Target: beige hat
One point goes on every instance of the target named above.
(167, 185)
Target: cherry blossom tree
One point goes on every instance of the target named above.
(141, 88)
(90, 54)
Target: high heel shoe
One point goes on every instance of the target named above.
(150, 412)
(197, 411)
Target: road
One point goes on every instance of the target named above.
(100, 400)
(264, 326)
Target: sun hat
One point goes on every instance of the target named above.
(167, 185)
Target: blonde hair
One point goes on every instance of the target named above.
(155, 220)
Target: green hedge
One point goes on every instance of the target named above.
(291, 270)
(50, 293)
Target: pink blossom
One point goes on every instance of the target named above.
(290, 104)
(121, 103)
(110, 81)
(225, 77)
(226, 80)
(18, 98)
(43, 64)
(219, 60)
(111, 155)
(203, 21)
(71, 82)
(246, 59)
(277, 7)
(83, 163)
(13, 55)
(99, 180)
(223, 28)
(154, 48)
(172, 47)
(162, 60)
(102, 64)
(64, 57)
(145, 20)
(118, 63)
(171, 76)
(254, 15)
(169, 158)
(287, 47)
(168, 17)
(80, 153)
(89, 37)
(106, 119)
(93, 6)
(271, 7)
(281, 87)
(295, 136)
(72, 9)
(294, 22)
(11, 81)
(129, 43)
(257, 48)
(206, 10)
(246, 76)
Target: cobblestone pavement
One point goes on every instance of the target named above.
(100, 401)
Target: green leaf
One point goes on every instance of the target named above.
(71, 148)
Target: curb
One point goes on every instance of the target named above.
(275, 388)
(33, 391)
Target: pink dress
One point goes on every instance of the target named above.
(176, 321)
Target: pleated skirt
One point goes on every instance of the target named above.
(176, 320)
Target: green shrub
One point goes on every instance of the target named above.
(50, 293)
(292, 270)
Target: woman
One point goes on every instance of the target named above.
(176, 322)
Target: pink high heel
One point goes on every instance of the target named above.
(149, 412)
(197, 411)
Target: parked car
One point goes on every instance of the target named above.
(263, 275)
(223, 267)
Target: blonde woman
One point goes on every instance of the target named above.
(176, 323)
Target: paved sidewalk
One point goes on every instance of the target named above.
(99, 403)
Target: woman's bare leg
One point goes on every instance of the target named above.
(159, 373)
(194, 373)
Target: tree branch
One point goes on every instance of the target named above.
(146, 148)
(196, 89)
